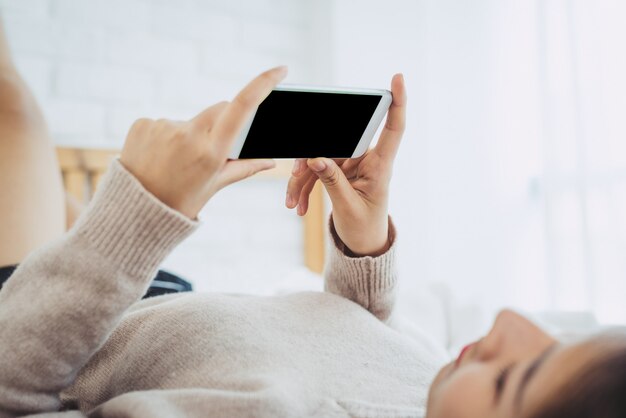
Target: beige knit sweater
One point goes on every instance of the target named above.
(76, 340)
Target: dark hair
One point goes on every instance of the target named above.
(596, 391)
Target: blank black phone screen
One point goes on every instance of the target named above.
(290, 124)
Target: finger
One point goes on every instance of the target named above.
(301, 178)
(295, 185)
(303, 202)
(299, 166)
(243, 106)
(341, 162)
(205, 119)
(389, 140)
(337, 185)
(237, 170)
(350, 166)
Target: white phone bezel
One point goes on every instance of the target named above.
(368, 133)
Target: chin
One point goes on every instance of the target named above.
(445, 371)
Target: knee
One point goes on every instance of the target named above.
(14, 94)
(17, 104)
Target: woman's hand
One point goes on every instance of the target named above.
(358, 188)
(185, 163)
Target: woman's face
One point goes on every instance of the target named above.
(507, 373)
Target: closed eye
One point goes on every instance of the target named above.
(501, 382)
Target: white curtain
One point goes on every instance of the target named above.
(510, 185)
(582, 56)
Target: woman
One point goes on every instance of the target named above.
(75, 340)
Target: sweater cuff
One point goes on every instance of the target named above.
(130, 226)
(375, 273)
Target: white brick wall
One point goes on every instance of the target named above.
(97, 65)
(151, 57)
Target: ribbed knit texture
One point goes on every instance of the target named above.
(369, 281)
(76, 340)
(130, 226)
(64, 300)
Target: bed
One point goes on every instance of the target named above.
(82, 169)
(430, 309)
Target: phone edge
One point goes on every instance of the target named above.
(241, 139)
(374, 123)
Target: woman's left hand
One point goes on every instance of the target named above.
(358, 188)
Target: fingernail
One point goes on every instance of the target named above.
(281, 70)
(289, 200)
(318, 165)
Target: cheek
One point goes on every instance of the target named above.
(463, 394)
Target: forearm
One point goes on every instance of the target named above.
(64, 300)
(368, 281)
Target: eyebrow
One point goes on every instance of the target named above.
(530, 372)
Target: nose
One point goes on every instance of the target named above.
(512, 336)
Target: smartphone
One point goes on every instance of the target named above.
(306, 122)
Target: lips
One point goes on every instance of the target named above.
(464, 350)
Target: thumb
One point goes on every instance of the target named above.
(334, 180)
(236, 170)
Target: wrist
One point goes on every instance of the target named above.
(369, 251)
(371, 246)
(368, 241)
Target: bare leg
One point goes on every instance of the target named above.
(32, 203)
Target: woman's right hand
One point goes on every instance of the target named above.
(358, 188)
(184, 163)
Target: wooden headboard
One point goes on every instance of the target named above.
(82, 169)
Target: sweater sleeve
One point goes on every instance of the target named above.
(66, 298)
(368, 281)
